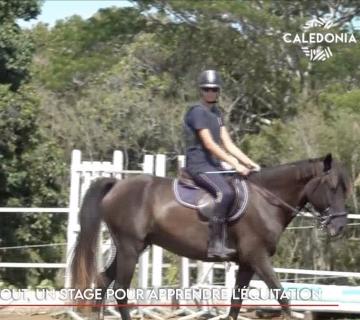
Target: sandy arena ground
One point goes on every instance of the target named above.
(57, 315)
(26, 316)
(17, 315)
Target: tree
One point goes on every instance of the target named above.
(243, 39)
(15, 46)
(31, 166)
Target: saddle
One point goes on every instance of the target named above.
(190, 195)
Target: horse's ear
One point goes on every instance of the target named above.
(327, 162)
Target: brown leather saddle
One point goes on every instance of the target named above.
(190, 195)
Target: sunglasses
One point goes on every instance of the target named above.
(210, 89)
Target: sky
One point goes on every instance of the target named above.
(53, 10)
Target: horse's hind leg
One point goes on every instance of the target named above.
(126, 259)
(103, 280)
(243, 278)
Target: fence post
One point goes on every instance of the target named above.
(204, 272)
(74, 200)
(185, 274)
(157, 252)
(230, 278)
(148, 167)
(118, 163)
(184, 266)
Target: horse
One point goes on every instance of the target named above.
(142, 210)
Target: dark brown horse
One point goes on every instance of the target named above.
(142, 210)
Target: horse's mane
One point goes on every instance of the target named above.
(344, 179)
(303, 169)
(300, 169)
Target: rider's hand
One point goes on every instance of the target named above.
(230, 164)
(254, 167)
(242, 169)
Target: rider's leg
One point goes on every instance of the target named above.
(224, 194)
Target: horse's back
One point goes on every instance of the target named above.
(131, 198)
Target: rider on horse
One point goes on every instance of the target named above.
(205, 132)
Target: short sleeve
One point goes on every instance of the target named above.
(219, 116)
(196, 118)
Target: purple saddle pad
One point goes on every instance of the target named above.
(189, 196)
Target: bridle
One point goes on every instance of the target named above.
(323, 217)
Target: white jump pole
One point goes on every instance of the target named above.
(108, 246)
(184, 267)
(73, 226)
(148, 167)
(118, 163)
(157, 252)
(185, 274)
(230, 276)
(204, 273)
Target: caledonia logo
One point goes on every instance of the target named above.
(316, 45)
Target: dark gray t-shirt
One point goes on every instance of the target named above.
(198, 158)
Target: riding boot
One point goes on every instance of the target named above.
(217, 246)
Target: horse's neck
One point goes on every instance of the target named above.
(287, 181)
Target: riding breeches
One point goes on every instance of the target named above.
(224, 194)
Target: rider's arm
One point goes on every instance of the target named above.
(214, 148)
(233, 149)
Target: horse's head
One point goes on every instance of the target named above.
(327, 193)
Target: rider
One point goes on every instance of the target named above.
(205, 133)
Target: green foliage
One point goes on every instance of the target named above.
(108, 109)
(18, 9)
(32, 165)
(347, 102)
(76, 51)
(331, 126)
(15, 46)
(32, 171)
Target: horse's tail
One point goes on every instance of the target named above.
(83, 266)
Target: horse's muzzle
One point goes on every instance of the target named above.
(336, 232)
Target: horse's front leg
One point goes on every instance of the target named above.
(261, 264)
(243, 277)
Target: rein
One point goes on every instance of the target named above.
(323, 218)
(266, 192)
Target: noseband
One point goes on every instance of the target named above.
(325, 217)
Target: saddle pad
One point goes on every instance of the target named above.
(189, 196)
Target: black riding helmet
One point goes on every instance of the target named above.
(209, 79)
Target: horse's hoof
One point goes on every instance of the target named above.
(308, 315)
(293, 315)
(297, 315)
(286, 316)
